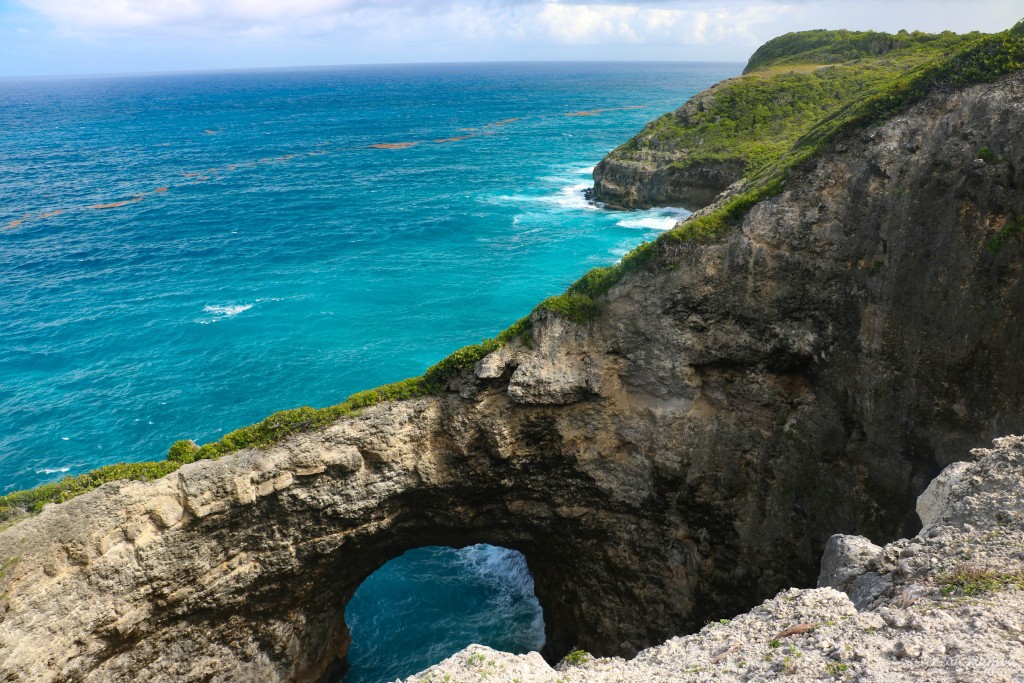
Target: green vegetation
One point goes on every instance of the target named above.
(904, 75)
(971, 579)
(577, 658)
(986, 154)
(1007, 232)
(836, 668)
(790, 84)
(20, 503)
(7, 564)
(784, 110)
(833, 47)
(573, 306)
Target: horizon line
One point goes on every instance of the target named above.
(353, 65)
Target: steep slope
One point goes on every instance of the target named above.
(672, 450)
(737, 128)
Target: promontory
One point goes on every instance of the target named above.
(670, 443)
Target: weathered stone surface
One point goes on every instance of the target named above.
(661, 173)
(847, 558)
(915, 633)
(679, 458)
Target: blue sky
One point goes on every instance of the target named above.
(48, 37)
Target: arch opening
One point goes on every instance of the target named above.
(430, 602)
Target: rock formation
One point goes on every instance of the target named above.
(946, 606)
(658, 172)
(678, 458)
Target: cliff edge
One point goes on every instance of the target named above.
(673, 451)
(740, 126)
(944, 606)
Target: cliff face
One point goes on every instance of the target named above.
(678, 458)
(945, 606)
(792, 87)
(656, 170)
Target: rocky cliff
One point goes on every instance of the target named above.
(679, 456)
(944, 606)
(655, 169)
(791, 85)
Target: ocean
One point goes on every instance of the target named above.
(184, 254)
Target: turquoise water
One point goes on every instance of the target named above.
(182, 255)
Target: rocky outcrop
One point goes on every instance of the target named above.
(648, 178)
(951, 610)
(654, 170)
(680, 457)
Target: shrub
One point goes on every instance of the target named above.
(577, 658)
(987, 155)
(574, 306)
(183, 451)
(1007, 232)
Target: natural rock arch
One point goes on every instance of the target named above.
(679, 457)
(243, 566)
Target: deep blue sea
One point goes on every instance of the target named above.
(181, 255)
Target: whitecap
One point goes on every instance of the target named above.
(570, 197)
(499, 566)
(222, 312)
(650, 222)
(53, 470)
(654, 219)
(506, 571)
(65, 438)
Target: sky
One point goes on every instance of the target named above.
(69, 37)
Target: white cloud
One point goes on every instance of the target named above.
(594, 24)
(293, 32)
(156, 14)
(572, 21)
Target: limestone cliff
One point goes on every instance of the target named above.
(680, 456)
(791, 85)
(944, 606)
(655, 169)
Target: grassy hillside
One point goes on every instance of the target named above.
(835, 47)
(789, 85)
(910, 73)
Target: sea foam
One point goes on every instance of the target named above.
(228, 311)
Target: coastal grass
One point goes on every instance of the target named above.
(961, 61)
(789, 84)
(839, 46)
(972, 579)
(955, 61)
(801, 88)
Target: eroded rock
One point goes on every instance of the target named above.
(922, 631)
(679, 458)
